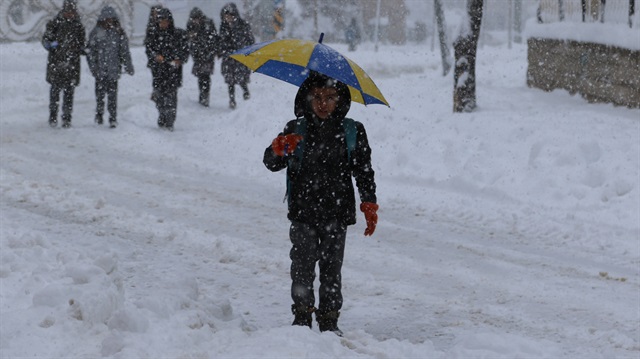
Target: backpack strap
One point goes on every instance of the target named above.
(350, 134)
(301, 129)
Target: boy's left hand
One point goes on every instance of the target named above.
(370, 214)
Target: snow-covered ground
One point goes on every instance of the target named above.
(510, 232)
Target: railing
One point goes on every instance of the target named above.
(609, 11)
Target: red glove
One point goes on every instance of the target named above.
(286, 143)
(369, 209)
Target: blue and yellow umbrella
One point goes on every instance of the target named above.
(291, 60)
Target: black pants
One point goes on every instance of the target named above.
(167, 105)
(323, 244)
(67, 101)
(204, 84)
(232, 90)
(108, 88)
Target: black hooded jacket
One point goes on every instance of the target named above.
(321, 189)
(234, 36)
(203, 42)
(64, 38)
(172, 44)
(152, 27)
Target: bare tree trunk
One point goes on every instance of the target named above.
(315, 18)
(517, 21)
(510, 25)
(465, 48)
(442, 35)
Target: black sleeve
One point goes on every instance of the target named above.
(49, 34)
(79, 40)
(362, 170)
(125, 53)
(224, 40)
(149, 48)
(272, 161)
(250, 39)
(91, 51)
(183, 47)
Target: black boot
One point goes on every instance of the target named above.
(245, 91)
(232, 97)
(99, 118)
(302, 315)
(53, 120)
(204, 98)
(113, 123)
(66, 121)
(328, 322)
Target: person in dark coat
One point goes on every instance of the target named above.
(235, 33)
(152, 27)
(321, 194)
(203, 46)
(108, 55)
(352, 34)
(64, 38)
(167, 49)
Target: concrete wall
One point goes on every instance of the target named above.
(599, 73)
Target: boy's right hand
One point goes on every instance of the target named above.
(285, 145)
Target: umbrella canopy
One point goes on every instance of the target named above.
(290, 60)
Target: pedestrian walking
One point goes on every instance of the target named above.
(203, 46)
(352, 34)
(235, 33)
(64, 39)
(152, 28)
(108, 56)
(167, 49)
(321, 151)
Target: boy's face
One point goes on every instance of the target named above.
(164, 24)
(324, 101)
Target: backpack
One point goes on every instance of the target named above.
(350, 134)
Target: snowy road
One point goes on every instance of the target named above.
(191, 232)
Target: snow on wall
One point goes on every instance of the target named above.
(619, 35)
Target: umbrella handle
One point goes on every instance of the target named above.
(286, 149)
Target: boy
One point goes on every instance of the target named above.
(317, 151)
